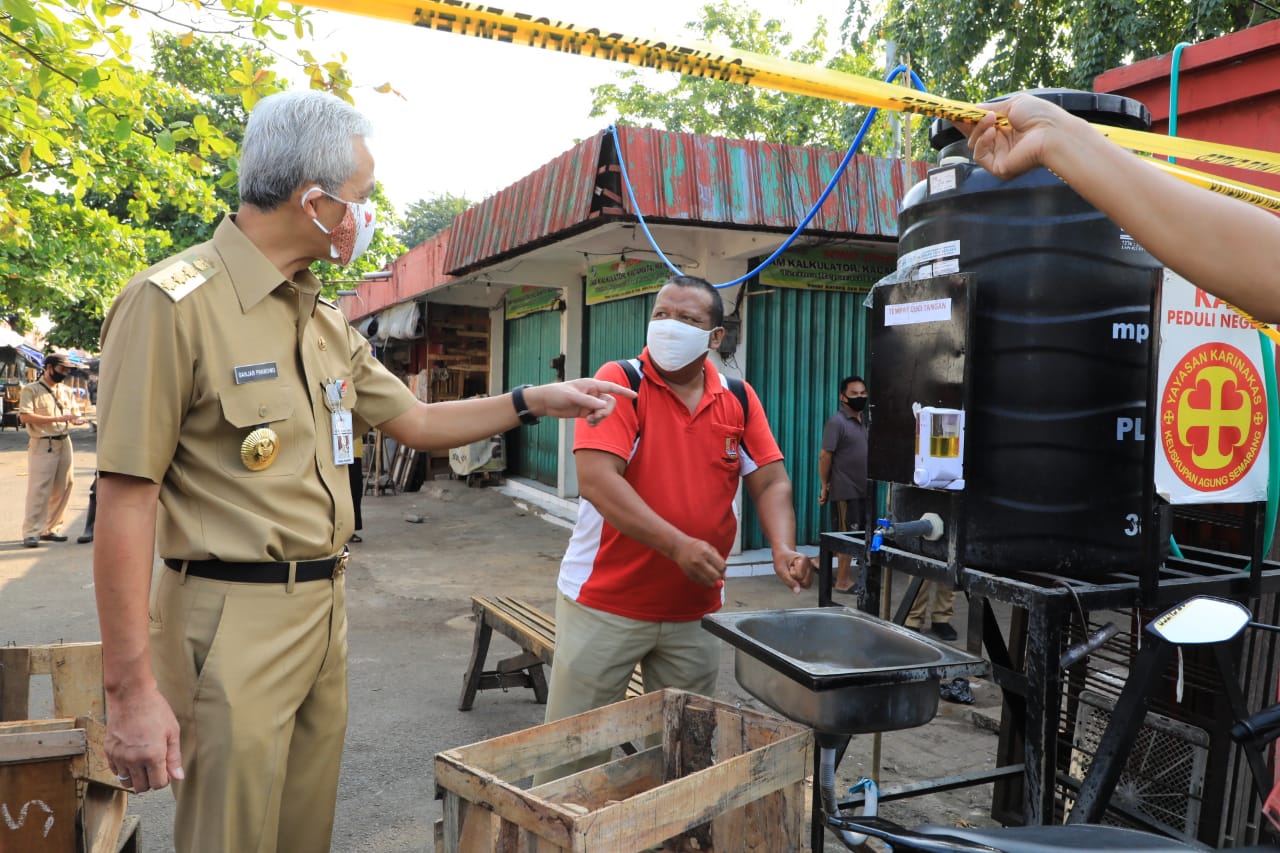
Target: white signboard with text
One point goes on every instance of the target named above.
(1212, 410)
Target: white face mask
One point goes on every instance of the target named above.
(674, 345)
(351, 236)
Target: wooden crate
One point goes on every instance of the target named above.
(722, 779)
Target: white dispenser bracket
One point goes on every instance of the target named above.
(939, 458)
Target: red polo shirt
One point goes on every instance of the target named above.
(686, 467)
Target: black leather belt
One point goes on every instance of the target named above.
(54, 437)
(309, 570)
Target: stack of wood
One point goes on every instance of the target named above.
(54, 776)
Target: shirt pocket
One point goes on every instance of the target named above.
(253, 406)
(728, 446)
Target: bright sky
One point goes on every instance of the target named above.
(477, 116)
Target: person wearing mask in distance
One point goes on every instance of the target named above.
(48, 411)
(842, 469)
(657, 519)
(229, 393)
(1226, 247)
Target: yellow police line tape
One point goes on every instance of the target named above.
(735, 66)
(750, 69)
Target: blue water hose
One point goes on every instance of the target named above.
(813, 211)
(1268, 352)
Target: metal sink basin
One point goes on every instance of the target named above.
(840, 670)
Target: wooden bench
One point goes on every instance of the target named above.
(55, 771)
(530, 629)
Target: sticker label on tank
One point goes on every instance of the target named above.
(929, 254)
(947, 267)
(941, 181)
(910, 313)
(1213, 420)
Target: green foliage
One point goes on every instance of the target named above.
(697, 105)
(427, 217)
(974, 51)
(104, 163)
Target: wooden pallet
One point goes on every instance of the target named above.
(530, 629)
(721, 780)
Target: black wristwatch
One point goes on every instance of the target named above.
(526, 417)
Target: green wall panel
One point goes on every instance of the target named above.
(800, 344)
(531, 343)
(615, 330)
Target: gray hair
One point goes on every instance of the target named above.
(297, 137)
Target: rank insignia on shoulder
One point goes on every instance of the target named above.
(181, 277)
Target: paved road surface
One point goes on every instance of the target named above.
(409, 588)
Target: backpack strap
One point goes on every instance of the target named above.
(635, 375)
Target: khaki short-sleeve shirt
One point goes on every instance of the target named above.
(204, 348)
(53, 401)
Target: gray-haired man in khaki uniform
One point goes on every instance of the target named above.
(228, 396)
(47, 410)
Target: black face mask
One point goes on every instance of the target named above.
(858, 403)
(57, 375)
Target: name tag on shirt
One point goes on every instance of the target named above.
(256, 372)
(342, 436)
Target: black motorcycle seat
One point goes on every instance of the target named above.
(1057, 839)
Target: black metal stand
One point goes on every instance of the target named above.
(1043, 604)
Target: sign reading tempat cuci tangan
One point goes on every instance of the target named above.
(1212, 409)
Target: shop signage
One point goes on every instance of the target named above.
(525, 300)
(828, 268)
(620, 279)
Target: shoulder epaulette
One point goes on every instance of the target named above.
(183, 276)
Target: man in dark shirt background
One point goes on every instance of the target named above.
(842, 467)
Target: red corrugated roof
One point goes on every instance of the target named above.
(683, 177)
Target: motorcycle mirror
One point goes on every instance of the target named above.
(1199, 620)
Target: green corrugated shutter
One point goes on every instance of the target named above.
(532, 342)
(615, 330)
(800, 344)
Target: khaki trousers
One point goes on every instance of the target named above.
(50, 473)
(596, 652)
(257, 677)
(935, 600)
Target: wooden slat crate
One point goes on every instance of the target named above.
(721, 779)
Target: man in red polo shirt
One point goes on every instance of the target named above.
(658, 517)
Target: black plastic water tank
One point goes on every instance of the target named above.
(1060, 353)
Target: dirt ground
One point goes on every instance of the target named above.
(409, 589)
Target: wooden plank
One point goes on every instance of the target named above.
(129, 833)
(40, 746)
(728, 829)
(56, 724)
(523, 753)
(93, 765)
(38, 807)
(595, 787)
(15, 682)
(681, 804)
(103, 810)
(472, 785)
(76, 670)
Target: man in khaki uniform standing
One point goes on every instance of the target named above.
(229, 393)
(47, 409)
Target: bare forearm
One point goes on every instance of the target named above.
(777, 514)
(123, 554)
(440, 426)
(1188, 229)
(40, 420)
(824, 468)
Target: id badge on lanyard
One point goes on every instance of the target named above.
(340, 422)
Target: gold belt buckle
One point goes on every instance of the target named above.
(341, 566)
